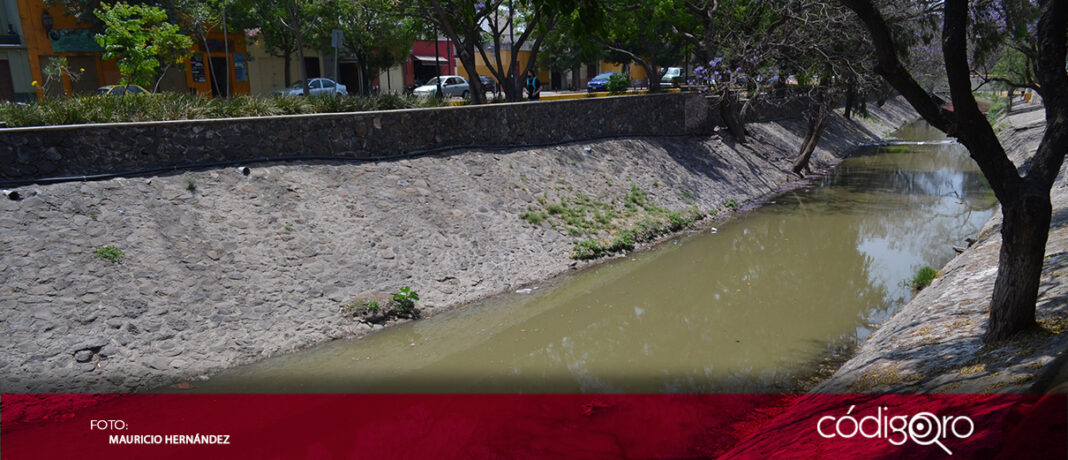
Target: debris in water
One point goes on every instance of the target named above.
(713, 230)
(524, 291)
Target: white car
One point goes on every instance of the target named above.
(316, 87)
(451, 86)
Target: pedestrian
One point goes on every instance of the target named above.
(533, 86)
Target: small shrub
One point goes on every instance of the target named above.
(287, 228)
(108, 253)
(190, 182)
(370, 305)
(924, 277)
(554, 209)
(731, 204)
(679, 221)
(618, 83)
(647, 229)
(405, 300)
(587, 249)
(623, 242)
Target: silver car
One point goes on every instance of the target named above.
(316, 87)
(451, 86)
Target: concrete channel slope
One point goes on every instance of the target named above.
(220, 269)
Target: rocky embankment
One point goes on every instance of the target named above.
(213, 268)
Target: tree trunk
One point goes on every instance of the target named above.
(363, 84)
(513, 91)
(728, 111)
(303, 67)
(288, 67)
(816, 123)
(650, 72)
(1024, 232)
(851, 98)
(467, 58)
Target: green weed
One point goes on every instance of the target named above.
(924, 277)
(108, 253)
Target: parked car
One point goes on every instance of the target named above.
(451, 86)
(672, 77)
(489, 84)
(600, 82)
(316, 87)
(119, 90)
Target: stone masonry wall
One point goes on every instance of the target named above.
(76, 150)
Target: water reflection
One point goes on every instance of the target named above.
(740, 310)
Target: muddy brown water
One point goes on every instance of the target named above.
(741, 309)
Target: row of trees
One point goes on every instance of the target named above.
(837, 50)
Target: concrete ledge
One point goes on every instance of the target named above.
(34, 153)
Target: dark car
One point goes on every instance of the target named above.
(600, 82)
(489, 84)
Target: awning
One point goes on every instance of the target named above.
(429, 60)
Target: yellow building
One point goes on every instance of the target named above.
(49, 32)
(523, 57)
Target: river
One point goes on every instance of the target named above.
(744, 308)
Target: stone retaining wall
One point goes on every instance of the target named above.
(75, 150)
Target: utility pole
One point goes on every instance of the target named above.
(513, 62)
(335, 40)
(437, 60)
(226, 48)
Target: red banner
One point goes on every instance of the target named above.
(533, 426)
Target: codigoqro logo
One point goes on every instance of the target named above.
(924, 428)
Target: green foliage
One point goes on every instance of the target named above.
(190, 182)
(680, 221)
(731, 204)
(139, 37)
(372, 34)
(533, 217)
(628, 219)
(108, 253)
(924, 277)
(405, 299)
(997, 110)
(587, 249)
(623, 242)
(646, 33)
(618, 83)
(370, 305)
(53, 73)
(174, 106)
